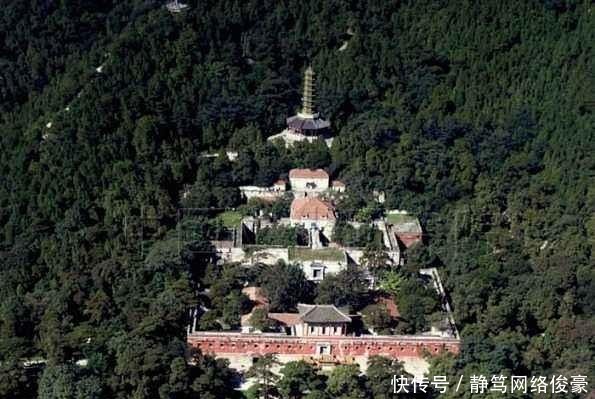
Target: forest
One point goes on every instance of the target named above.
(477, 116)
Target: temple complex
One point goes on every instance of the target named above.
(307, 124)
(321, 334)
(313, 194)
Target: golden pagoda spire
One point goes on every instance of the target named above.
(308, 98)
(308, 122)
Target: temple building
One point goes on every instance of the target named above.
(311, 320)
(302, 183)
(307, 124)
(308, 180)
(323, 335)
(313, 214)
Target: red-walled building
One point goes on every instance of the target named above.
(318, 334)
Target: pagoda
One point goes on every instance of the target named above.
(307, 123)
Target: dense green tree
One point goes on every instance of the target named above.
(346, 288)
(244, 138)
(317, 395)
(380, 373)
(89, 387)
(212, 379)
(285, 286)
(281, 208)
(235, 304)
(57, 382)
(298, 378)
(284, 236)
(377, 317)
(64, 382)
(416, 300)
(261, 370)
(363, 236)
(376, 259)
(16, 381)
(345, 382)
(259, 319)
(311, 155)
(391, 281)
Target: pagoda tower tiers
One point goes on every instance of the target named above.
(307, 123)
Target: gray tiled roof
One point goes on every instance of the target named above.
(322, 314)
(298, 122)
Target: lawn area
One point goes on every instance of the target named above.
(399, 218)
(306, 254)
(230, 219)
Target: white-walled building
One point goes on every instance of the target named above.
(338, 186)
(308, 180)
(272, 193)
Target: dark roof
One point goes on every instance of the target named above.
(322, 314)
(297, 122)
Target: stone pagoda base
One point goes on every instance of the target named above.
(289, 137)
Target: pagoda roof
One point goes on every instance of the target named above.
(298, 122)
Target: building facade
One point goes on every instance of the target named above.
(313, 214)
(308, 180)
(318, 334)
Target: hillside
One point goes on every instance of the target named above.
(478, 116)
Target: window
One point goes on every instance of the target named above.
(317, 271)
(323, 330)
(324, 349)
(317, 274)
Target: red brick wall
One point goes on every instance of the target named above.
(255, 345)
